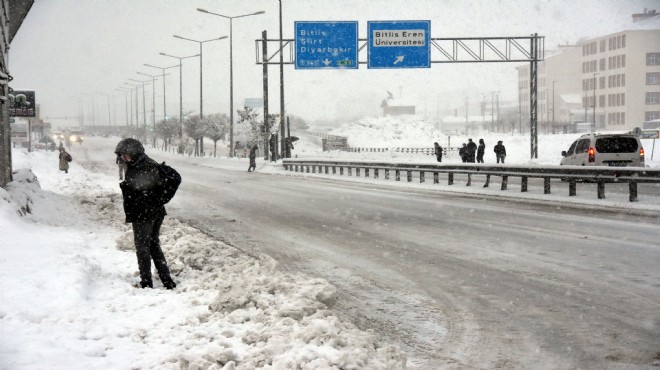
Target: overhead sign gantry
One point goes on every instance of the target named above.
(402, 44)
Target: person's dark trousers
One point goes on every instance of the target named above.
(147, 247)
(439, 157)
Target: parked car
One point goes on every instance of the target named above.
(620, 150)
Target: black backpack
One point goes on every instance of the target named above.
(171, 181)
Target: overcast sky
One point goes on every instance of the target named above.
(69, 50)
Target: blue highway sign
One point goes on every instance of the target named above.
(399, 44)
(326, 45)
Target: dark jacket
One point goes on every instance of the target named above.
(253, 153)
(471, 148)
(141, 190)
(481, 149)
(499, 150)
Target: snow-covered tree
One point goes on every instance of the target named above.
(215, 127)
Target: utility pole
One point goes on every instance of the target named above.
(282, 113)
(264, 52)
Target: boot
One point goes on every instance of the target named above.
(169, 284)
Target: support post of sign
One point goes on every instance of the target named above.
(264, 52)
(532, 96)
(283, 148)
(653, 149)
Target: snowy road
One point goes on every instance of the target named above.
(457, 282)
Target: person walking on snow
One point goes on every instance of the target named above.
(480, 151)
(500, 152)
(253, 158)
(141, 190)
(65, 158)
(437, 150)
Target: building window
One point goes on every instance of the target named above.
(623, 41)
(623, 61)
(653, 78)
(623, 99)
(650, 116)
(623, 79)
(652, 59)
(602, 82)
(653, 98)
(601, 101)
(602, 45)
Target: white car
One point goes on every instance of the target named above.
(619, 150)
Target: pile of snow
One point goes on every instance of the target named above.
(399, 131)
(69, 299)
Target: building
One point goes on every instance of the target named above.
(396, 107)
(11, 17)
(616, 75)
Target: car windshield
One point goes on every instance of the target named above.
(616, 145)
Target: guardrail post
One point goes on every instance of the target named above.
(307, 169)
(632, 186)
(296, 168)
(366, 172)
(334, 170)
(313, 169)
(286, 167)
(571, 188)
(487, 181)
(505, 180)
(469, 182)
(341, 171)
(357, 171)
(450, 179)
(409, 176)
(375, 173)
(546, 185)
(601, 190)
(523, 184)
(436, 178)
(387, 174)
(397, 175)
(350, 171)
(421, 177)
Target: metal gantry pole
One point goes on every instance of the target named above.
(231, 91)
(282, 112)
(532, 97)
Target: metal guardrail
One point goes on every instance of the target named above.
(571, 174)
(425, 151)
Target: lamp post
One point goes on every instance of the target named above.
(108, 96)
(125, 91)
(180, 93)
(201, 89)
(231, 72)
(553, 105)
(153, 99)
(163, 70)
(137, 106)
(144, 105)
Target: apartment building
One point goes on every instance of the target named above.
(616, 75)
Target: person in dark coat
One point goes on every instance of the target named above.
(121, 164)
(500, 152)
(480, 151)
(253, 158)
(65, 158)
(144, 208)
(471, 150)
(437, 150)
(462, 152)
(289, 147)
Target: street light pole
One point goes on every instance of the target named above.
(553, 105)
(144, 105)
(137, 106)
(231, 73)
(153, 100)
(164, 102)
(180, 93)
(201, 89)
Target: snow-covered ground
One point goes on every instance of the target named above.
(68, 273)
